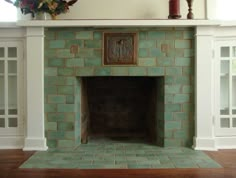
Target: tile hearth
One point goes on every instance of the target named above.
(116, 154)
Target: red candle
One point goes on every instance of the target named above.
(174, 12)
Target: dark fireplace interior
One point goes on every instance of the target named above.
(121, 108)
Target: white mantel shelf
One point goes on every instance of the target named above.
(117, 23)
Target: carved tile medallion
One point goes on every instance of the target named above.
(119, 48)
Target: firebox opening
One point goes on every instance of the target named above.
(122, 108)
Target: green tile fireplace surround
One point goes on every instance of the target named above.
(74, 53)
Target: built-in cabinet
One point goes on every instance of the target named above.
(225, 88)
(11, 82)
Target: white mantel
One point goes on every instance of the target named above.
(204, 63)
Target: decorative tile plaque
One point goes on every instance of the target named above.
(119, 48)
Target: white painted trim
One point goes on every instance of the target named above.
(116, 23)
(226, 142)
(11, 142)
(35, 144)
(204, 144)
(211, 8)
(35, 132)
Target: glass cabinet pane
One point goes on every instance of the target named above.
(12, 67)
(12, 122)
(234, 122)
(234, 51)
(2, 96)
(2, 123)
(2, 67)
(224, 67)
(12, 92)
(234, 93)
(225, 123)
(224, 95)
(224, 51)
(12, 52)
(1, 52)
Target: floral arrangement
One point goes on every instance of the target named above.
(53, 7)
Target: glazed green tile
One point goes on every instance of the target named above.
(90, 62)
(66, 35)
(69, 135)
(64, 53)
(66, 71)
(70, 99)
(54, 117)
(137, 71)
(181, 116)
(163, 166)
(142, 52)
(138, 166)
(56, 99)
(51, 143)
(67, 90)
(49, 35)
(147, 43)
(165, 61)
(181, 164)
(188, 107)
(147, 61)
(50, 53)
(84, 35)
(55, 44)
(181, 98)
(185, 44)
(155, 52)
(79, 43)
(174, 71)
(187, 89)
(55, 80)
(51, 125)
(172, 143)
(92, 43)
(188, 53)
(172, 125)
(156, 35)
(84, 52)
(55, 62)
(189, 34)
(65, 107)
(168, 115)
(119, 71)
(50, 71)
(74, 62)
(183, 61)
(50, 107)
(102, 71)
(85, 71)
(180, 134)
(55, 134)
(169, 98)
(172, 107)
(172, 89)
(155, 71)
(142, 35)
(97, 35)
(66, 143)
(184, 80)
(179, 34)
(65, 126)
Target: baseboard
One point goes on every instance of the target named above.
(11, 142)
(226, 142)
(35, 144)
(204, 144)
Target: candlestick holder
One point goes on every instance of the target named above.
(174, 12)
(190, 13)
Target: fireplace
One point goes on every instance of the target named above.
(77, 92)
(122, 108)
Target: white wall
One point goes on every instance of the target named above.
(129, 9)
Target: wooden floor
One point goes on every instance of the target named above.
(11, 159)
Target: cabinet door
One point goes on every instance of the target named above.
(11, 55)
(225, 88)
